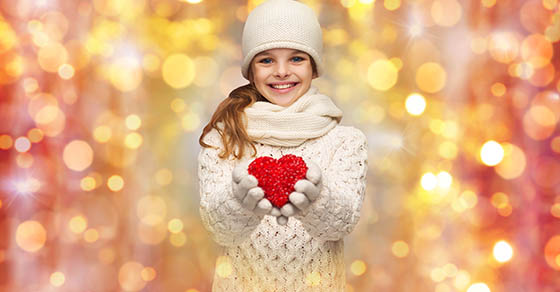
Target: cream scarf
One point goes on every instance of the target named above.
(311, 116)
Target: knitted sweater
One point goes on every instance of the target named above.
(307, 253)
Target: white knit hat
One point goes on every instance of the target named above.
(282, 24)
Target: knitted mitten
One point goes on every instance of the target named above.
(245, 189)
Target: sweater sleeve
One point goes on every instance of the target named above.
(221, 213)
(337, 209)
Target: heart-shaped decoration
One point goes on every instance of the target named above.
(278, 177)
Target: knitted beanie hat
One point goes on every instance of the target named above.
(282, 24)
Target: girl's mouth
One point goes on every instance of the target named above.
(282, 88)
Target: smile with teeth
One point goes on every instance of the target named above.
(282, 86)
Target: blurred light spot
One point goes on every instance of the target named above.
(77, 224)
(6, 142)
(24, 160)
(22, 144)
(554, 144)
(429, 181)
(539, 122)
(148, 274)
(505, 211)
(382, 75)
(397, 62)
(35, 135)
(542, 77)
(437, 275)
(0, 208)
(514, 162)
(503, 46)
(178, 105)
(87, 183)
(415, 30)
(448, 150)
(57, 279)
(150, 63)
(549, 4)
(130, 276)
(552, 251)
(446, 12)
(462, 280)
(467, 200)
(223, 267)
(192, 290)
(51, 56)
(450, 270)
(151, 210)
(190, 121)
(31, 236)
(444, 180)
(207, 71)
(554, 210)
(491, 153)
(30, 85)
(358, 267)
(164, 177)
(392, 5)
(479, 45)
(133, 122)
(125, 74)
(133, 140)
(536, 50)
(175, 225)
(534, 17)
(431, 77)
(500, 200)
(415, 104)
(178, 71)
(400, 249)
(66, 71)
(115, 183)
(106, 255)
(313, 279)
(503, 252)
(498, 89)
(488, 3)
(178, 239)
(77, 155)
(91, 235)
(102, 134)
(348, 3)
(27, 186)
(478, 287)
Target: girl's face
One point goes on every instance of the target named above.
(282, 75)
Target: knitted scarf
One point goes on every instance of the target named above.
(311, 116)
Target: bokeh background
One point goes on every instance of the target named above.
(102, 103)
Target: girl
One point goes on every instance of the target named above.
(300, 246)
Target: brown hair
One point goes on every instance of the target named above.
(230, 113)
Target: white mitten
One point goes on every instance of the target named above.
(245, 189)
(306, 191)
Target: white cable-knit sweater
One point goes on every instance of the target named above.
(307, 253)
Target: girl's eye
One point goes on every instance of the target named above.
(265, 61)
(297, 59)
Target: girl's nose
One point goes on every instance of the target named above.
(282, 70)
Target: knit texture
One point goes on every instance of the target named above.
(311, 116)
(282, 24)
(307, 253)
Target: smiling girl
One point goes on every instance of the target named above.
(298, 247)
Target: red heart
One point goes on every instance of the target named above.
(278, 177)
